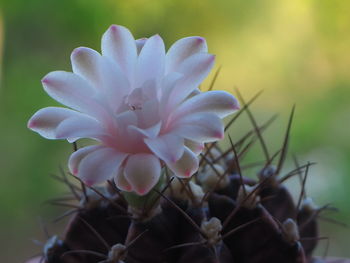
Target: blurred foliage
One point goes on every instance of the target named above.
(295, 50)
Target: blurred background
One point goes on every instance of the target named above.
(297, 51)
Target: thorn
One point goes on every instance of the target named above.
(302, 192)
(235, 210)
(103, 241)
(239, 228)
(211, 86)
(163, 191)
(256, 127)
(285, 143)
(247, 135)
(135, 239)
(235, 117)
(237, 165)
(44, 227)
(295, 172)
(186, 216)
(116, 205)
(65, 214)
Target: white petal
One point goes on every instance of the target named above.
(127, 137)
(142, 172)
(195, 70)
(119, 45)
(140, 43)
(168, 147)
(150, 132)
(126, 119)
(195, 147)
(114, 83)
(219, 102)
(100, 165)
(201, 127)
(167, 85)
(151, 60)
(186, 165)
(102, 73)
(149, 115)
(80, 127)
(86, 63)
(76, 157)
(121, 181)
(74, 92)
(46, 120)
(183, 49)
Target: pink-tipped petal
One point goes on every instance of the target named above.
(168, 147)
(183, 49)
(186, 166)
(86, 62)
(195, 69)
(195, 147)
(102, 73)
(74, 92)
(100, 165)
(80, 127)
(121, 181)
(219, 102)
(119, 45)
(201, 127)
(142, 171)
(46, 120)
(76, 157)
(151, 60)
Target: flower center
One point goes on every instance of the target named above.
(135, 99)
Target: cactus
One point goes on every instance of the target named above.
(218, 216)
(153, 211)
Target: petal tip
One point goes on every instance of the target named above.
(212, 58)
(220, 135)
(200, 148)
(114, 28)
(236, 106)
(31, 124)
(200, 40)
(45, 81)
(89, 183)
(188, 173)
(127, 188)
(141, 191)
(77, 51)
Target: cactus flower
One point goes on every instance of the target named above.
(140, 103)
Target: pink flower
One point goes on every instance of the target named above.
(141, 104)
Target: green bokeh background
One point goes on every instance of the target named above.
(297, 51)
